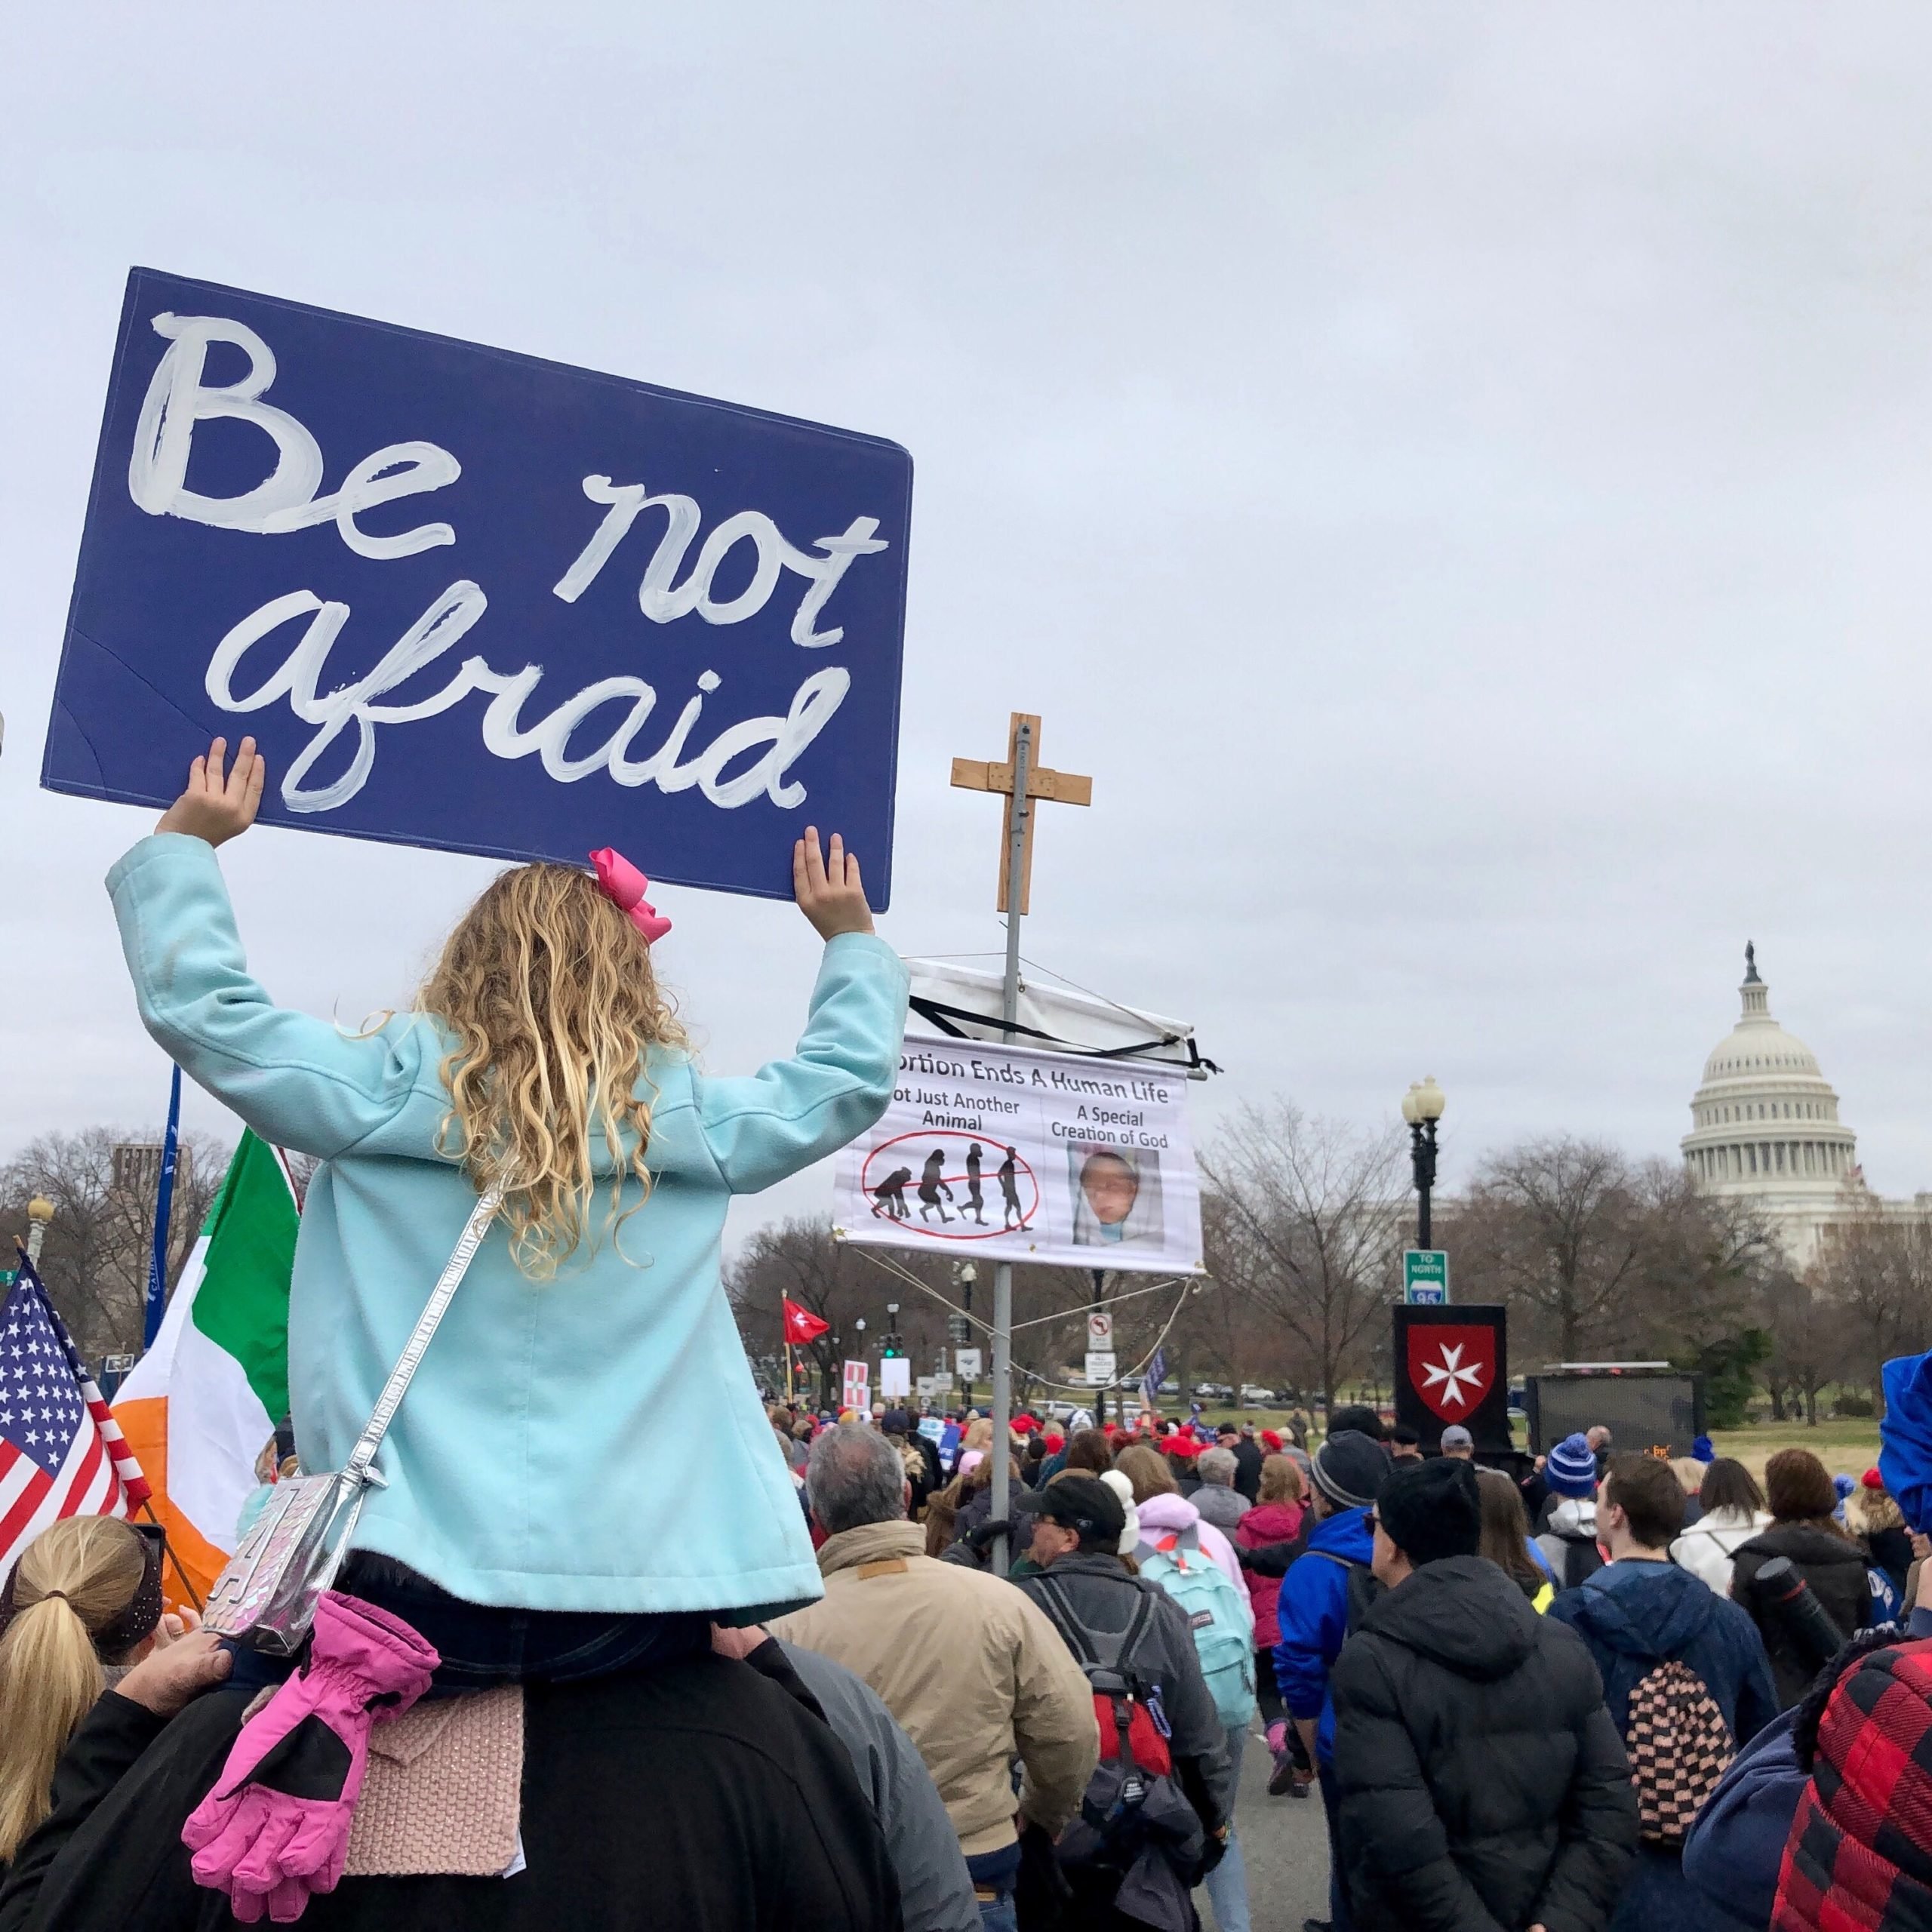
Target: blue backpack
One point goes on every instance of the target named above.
(1223, 1636)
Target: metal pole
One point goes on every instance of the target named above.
(1428, 1179)
(1016, 860)
(1099, 1300)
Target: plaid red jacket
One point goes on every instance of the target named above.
(1859, 1856)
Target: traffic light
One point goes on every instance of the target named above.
(958, 1331)
(892, 1345)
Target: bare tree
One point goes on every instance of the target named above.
(95, 1257)
(1810, 1345)
(1594, 1252)
(1875, 1270)
(1302, 1222)
(1551, 1229)
(799, 1261)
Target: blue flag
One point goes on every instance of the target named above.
(156, 1304)
(1904, 1437)
(1150, 1383)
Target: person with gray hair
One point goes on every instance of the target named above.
(1218, 1500)
(970, 1667)
(854, 1476)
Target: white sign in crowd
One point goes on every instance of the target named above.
(1020, 1156)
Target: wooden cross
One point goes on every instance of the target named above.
(1063, 788)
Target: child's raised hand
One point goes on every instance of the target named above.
(830, 893)
(217, 806)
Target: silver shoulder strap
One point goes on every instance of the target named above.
(356, 1469)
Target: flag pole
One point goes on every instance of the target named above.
(789, 1397)
(156, 1305)
(194, 1595)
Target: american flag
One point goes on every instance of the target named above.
(61, 1450)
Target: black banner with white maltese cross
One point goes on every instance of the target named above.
(1452, 1365)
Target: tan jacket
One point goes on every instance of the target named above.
(974, 1673)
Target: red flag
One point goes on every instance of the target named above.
(801, 1325)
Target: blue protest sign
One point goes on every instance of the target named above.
(470, 599)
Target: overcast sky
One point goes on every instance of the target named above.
(1458, 479)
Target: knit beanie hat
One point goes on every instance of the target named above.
(1703, 1451)
(1130, 1537)
(1432, 1509)
(1571, 1469)
(1350, 1468)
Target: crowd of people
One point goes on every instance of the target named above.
(607, 1646)
(1527, 1698)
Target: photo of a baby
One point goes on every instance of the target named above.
(1115, 1193)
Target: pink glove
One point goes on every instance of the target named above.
(624, 886)
(275, 1827)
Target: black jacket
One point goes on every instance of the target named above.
(1248, 1458)
(1834, 1568)
(1022, 1504)
(1482, 1782)
(1891, 1551)
(699, 1795)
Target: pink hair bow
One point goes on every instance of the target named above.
(624, 886)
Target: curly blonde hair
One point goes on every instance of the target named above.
(549, 990)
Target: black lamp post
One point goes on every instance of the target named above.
(1422, 1108)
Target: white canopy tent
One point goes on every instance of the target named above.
(964, 1003)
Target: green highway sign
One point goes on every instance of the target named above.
(1425, 1276)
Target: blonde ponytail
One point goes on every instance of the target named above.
(77, 1577)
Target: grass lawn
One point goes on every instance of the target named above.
(1849, 1444)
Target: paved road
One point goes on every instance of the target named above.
(1286, 1847)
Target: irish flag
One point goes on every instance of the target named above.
(203, 1402)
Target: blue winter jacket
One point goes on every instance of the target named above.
(1314, 1611)
(542, 1458)
(1737, 1845)
(1634, 1616)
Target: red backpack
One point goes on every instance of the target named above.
(1122, 1699)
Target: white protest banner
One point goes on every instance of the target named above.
(1027, 1157)
(895, 1378)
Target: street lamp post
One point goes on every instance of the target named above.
(968, 1275)
(1422, 1108)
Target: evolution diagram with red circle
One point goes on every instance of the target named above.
(929, 1184)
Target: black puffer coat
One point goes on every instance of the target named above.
(1834, 1568)
(1482, 1782)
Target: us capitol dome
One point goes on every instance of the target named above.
(1765, 1128)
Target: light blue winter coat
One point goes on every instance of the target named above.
(592, 1442)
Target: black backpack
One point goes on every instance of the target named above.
(1582, 1559)
(1365, 1586)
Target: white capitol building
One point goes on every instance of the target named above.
(1765, 1128)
